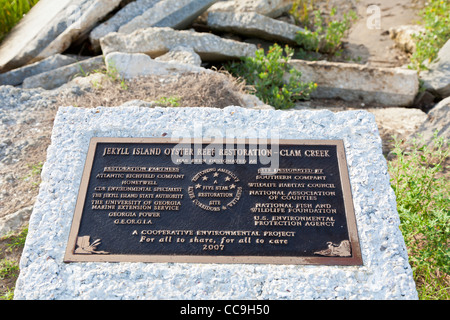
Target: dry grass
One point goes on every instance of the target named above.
(216, 90)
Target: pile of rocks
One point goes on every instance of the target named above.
(166, 37)
(32, 55)
(160, 30)
(435, 92)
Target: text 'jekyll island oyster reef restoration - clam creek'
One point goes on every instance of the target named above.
(215, 201)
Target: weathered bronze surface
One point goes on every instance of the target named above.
(160, 200)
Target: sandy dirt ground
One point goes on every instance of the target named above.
(369, 35)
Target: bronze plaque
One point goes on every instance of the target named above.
(215, 201)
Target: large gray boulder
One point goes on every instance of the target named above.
(177, 14)
(404, 36)
(355, 82)
(56, 78)
(438, 119)
(181, 54)
(50, 27)
(396, 121)
(437, 78)
(33, 33)
(82, 26)
(123, 16)
(253, 25)
(135, 65)
(158, 41)
(270, 8)
(17, 76)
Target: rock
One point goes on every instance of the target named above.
(403, 36)
(253, 25)
(49, 28)
(123, 16)
(138, 64)
(16, 77)
(88, 19)
(34, 31)
(386, 273)
(14, 221)
(158, 41)
(438, 118)
(437, 78)
(78, 86)
(396, 121)
(56, 78)
(424, 100)
(251, 101)
(355, 82)
(139, 103)
(177, 14)
(270, 8)
(181, 54)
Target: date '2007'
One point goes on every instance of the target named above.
(213, 247)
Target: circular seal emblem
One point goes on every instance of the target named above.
(215, 189)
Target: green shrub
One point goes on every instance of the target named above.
(274, 81)
(301, 11)
(11, 11)
(326, 36)
(422, 188)
(436, 20)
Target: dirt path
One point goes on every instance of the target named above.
(369, 36)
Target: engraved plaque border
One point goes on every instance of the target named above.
(354, 260)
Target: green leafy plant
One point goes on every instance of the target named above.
(436, 21)
(274, 81)
(325, 36)
(169, 101)
(420, 182)
(111, 73)
(11, 11)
